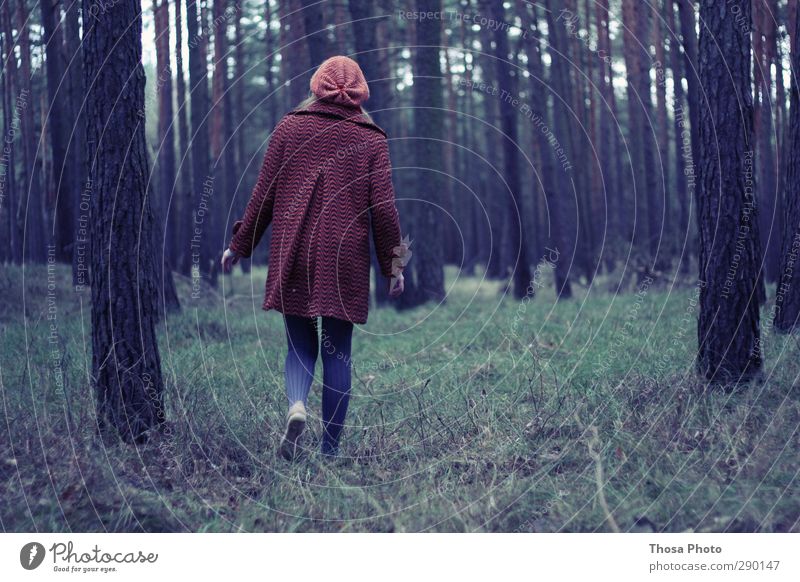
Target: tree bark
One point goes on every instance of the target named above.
(31, 208)
(64, 215)
(166, 137)
(494, 209)
(201, 252)
(561, 199)
(295, 51)
(364, 34)
(76, 148)
(126, 366)
(165, 243)
(610, 138)
(319, 47)
(239, 74)
(269, 61)
(476, 244)
(222, 148)
(184, 202)
(682, 145)
(691, 71)
(648, 207)
(10, 120)
(765, 159)
(662, 134)
(521, 273)
(428, 122)
(728, 325)
(787, 299)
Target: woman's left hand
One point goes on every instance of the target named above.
(396, 285)
(229, 259)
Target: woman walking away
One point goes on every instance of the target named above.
(325, 175)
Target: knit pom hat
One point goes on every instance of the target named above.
(340, 80)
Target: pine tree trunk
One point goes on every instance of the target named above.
(165, 161)
(201, 253)
(269, 62)
(691, 72)
(58, 118)
(494, 209)
(240, 71)
(126, 366)
(76, 151)
(451, 229)
(402, 128)
(610, 139)
(31, 200)
(508, 122)
(577, 96)
(364, 34)
(10, 109)
(632, 55)
(787, 299)
(599, 210)
(319, 48)
(295, 52)
(667, 234)
(648, 207)
(429, 129)
(183, 197)
(780, 117)
(768, 198)
(477, 245)
(728, 325)
(222, 150)
(561, 198)
(681, 132)
(342, 28)
(654, 196)
(164, 242)
(555, 237)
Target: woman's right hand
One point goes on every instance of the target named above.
(396, 285)
(229, 259)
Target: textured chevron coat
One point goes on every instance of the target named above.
(326, 174)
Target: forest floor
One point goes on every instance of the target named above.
(481, 414)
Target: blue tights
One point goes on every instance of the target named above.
(304, 345)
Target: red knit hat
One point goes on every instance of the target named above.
(340, 80)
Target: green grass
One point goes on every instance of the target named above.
(483, 414)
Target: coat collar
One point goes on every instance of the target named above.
(334, 110)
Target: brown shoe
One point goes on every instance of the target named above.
(291, 443)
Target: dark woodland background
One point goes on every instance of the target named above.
(568, 126)
(568, 154)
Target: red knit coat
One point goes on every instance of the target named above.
(326, 174)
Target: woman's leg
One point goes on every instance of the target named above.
(335, 347)
(301, 336)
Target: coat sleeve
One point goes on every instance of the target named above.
(385, 220)
(248, 231)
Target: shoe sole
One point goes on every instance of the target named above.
(291, 439)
